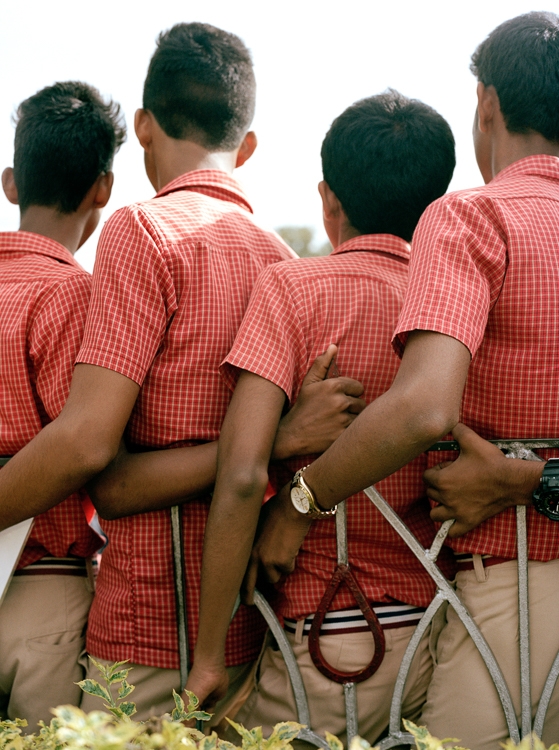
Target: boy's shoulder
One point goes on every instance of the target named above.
(368, 258)
(33, 258)
(531, 176)
(203, 206)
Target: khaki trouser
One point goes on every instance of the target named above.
(42, 628)
(272, 699)
(462, 701)
(153, 693)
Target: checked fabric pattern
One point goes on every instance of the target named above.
(485, 270)
(44, 295)
(351, 298)
(172, 279)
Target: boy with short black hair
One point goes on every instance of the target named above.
(66, 137)
(384, 160)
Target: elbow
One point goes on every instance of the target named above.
(105, 502)
(434, 423)
(427, 419)
(107, 491)
(87, 453)
(247, 483)
(94, 458)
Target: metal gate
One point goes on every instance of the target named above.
(445, 593)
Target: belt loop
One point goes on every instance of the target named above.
(299, 631)
(481, 573)
(90, 575)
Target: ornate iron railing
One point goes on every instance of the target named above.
(445, 593)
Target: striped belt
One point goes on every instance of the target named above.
(465, 560)
(390, 615)
(59, 566)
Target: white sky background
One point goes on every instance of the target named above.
(312, 60)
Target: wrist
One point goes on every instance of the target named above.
(285, 444)
(289, 511)
(210, 659)
(526, 476)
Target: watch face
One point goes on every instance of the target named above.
(299, 499)
(549, 504)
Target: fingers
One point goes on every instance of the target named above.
(469, 440)
(440, 514)
(249, 583)
(355, 405)
(432, 477)
(349, 386)
(319, 367)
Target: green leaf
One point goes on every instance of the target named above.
(118, 676)
(193, 701)
(112, 668)
(208, 743)
(128, 708)
(335, 744)
(287, 730)
(125, 690)
(92, 687)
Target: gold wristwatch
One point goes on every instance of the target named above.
(304, 501)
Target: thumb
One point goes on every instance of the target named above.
(467, 439)
(319, 367)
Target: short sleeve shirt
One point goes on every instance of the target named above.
(351, 298)
(172, 279)
(44, 294)
(485, 270)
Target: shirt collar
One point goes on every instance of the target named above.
(29, 242)
(212, 182)
(384, 243)
(540, 165)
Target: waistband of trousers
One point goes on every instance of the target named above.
(58, 566)
(465, 560)
(390, 615)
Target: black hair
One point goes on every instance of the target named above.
(520, 58)
(66, 136)
(386, 158)
(200, 86)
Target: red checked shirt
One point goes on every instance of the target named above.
(172, 279)
(351, 298)
(485, 270)
(44, 295)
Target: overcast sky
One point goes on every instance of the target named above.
(312, 60)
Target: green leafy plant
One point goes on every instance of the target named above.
(113, 674)
(73, 729)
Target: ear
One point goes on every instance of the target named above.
(331, 206)
(99, 193)
(487, 104)
(246, 149)
(143, 126)
(104, 188)
(9, 185)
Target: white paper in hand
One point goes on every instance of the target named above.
(12, 542)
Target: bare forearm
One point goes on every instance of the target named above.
(421, 406)
(378, 443)
(45, 472)
(140, 482)
(244, 452)
(228, 543)
(67, 453)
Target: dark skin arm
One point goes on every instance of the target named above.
(69, 451)
(481, 483)
(245, 447)
(140, 482)
(420, 407)
(244, 453)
